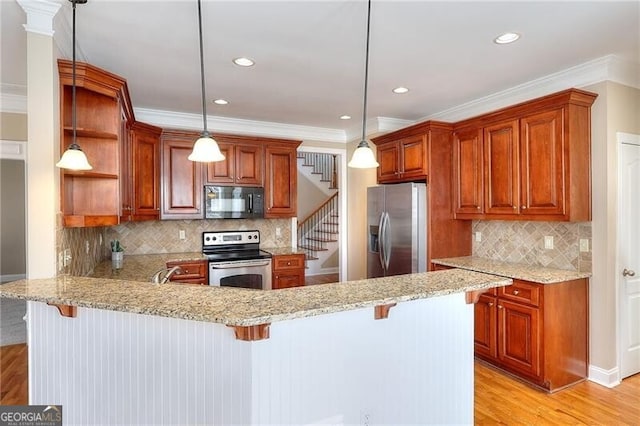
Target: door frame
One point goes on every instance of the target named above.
(342, 179)
(627, 139)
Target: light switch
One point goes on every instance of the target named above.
(182, 234)
(584, 245)
(548, 242)
(478, 236)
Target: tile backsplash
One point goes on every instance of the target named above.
(523, 242)
(87, 247)
(163, 236)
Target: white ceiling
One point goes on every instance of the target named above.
(310, 54)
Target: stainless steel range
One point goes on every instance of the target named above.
(235, 259)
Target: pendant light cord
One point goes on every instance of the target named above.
(204, 104)
(366, 75)
(73, 78)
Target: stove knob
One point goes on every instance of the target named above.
(214, 238)
(249, 236)
(207, 238)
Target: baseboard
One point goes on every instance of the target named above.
(324, 271)
(608, 378)
(11, 277)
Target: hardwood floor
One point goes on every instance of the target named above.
(502, 400)
(499, 399)
(13, 375)
(320, 279)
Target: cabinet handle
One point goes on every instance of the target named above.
(628, 273)
(516, 292)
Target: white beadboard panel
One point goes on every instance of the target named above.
(416, 367)
(114, 368)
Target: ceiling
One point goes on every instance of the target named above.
(310, 54)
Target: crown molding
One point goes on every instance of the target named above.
(182, 120)
(608, 67)
(40, 14)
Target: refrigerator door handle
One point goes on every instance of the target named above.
(381, 240)
(387, 240)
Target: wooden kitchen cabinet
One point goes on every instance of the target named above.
(182, 185)
(536, 161)
(243, 164)
(192, 272)
(423, 152)
(281, 177)
(92, 198)
(287, 271)
(538, 332)
(402, 160)
(140, 191)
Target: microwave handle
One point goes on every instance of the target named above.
(250, 196)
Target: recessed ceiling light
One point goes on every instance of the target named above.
(345, 117)
(506, 38)
(243, 62)
(400, 90)
(220, 101)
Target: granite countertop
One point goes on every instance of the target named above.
(245, 307)
(282, 251)
(537, 274)
(141, 267)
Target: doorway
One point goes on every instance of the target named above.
(628, 264)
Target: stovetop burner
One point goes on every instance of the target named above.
(232, 245)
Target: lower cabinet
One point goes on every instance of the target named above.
(192, 272)
(538, 332)
(287, 271)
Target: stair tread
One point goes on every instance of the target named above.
(326, 232)
(331, 223)
(306, 247)
(323, 240)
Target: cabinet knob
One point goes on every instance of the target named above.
(628, 273)
(499, 306)
(515, 207)
(288, 263)
(478, 208)
(516, 292)
(522, 207)
(490, 304)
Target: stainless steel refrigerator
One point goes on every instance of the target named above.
(396, 229)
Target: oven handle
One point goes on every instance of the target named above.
(231, 265)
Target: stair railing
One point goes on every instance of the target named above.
(323, 165)
(319, 227)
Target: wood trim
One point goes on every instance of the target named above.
(250, 333)
(472, 297)
(327, 201)
(68, 311)
(382, 311)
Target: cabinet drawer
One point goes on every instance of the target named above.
(522, 292)
(294, 261)
(190, 270)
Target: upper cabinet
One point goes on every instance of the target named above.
(243, 163)
(531, 161)
(403, 159)
(142, 177)
(103, 109)
(281, 179)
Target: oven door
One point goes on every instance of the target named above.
(241, 273)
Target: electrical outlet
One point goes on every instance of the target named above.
(278, 232)
(182, 235)
(86, 246)
(100, 240)
(365, 418)
(60, 261)
(478, 236)
(584, 245)
(548, 242)
(66, 257)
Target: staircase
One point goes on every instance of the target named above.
(318, 233)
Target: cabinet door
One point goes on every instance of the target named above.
(145, 175)
(249, 160)
(389, 160)
(126, 171)
(519, 338)
(542, 163)
(287, 279)
(468, 172)
(501, 168)
(280, 182)
(222, 172)
(182, 186)
(413, 155)
(485, 327)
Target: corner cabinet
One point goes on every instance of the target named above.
(531, 161)
(92, 198)
(281, 177)
(422, 153)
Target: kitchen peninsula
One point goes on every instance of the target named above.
(391, 350)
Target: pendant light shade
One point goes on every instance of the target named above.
(73, 158)
(363, 157)
(205, 149)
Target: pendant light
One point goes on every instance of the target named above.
(205, 149)
(363, 157)
(73, 158)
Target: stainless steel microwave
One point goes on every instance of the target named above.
(233, 202)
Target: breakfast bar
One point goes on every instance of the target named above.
(393, 350)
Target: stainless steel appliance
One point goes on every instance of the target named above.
(233, 202)
(396, 229)
(235, 259)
